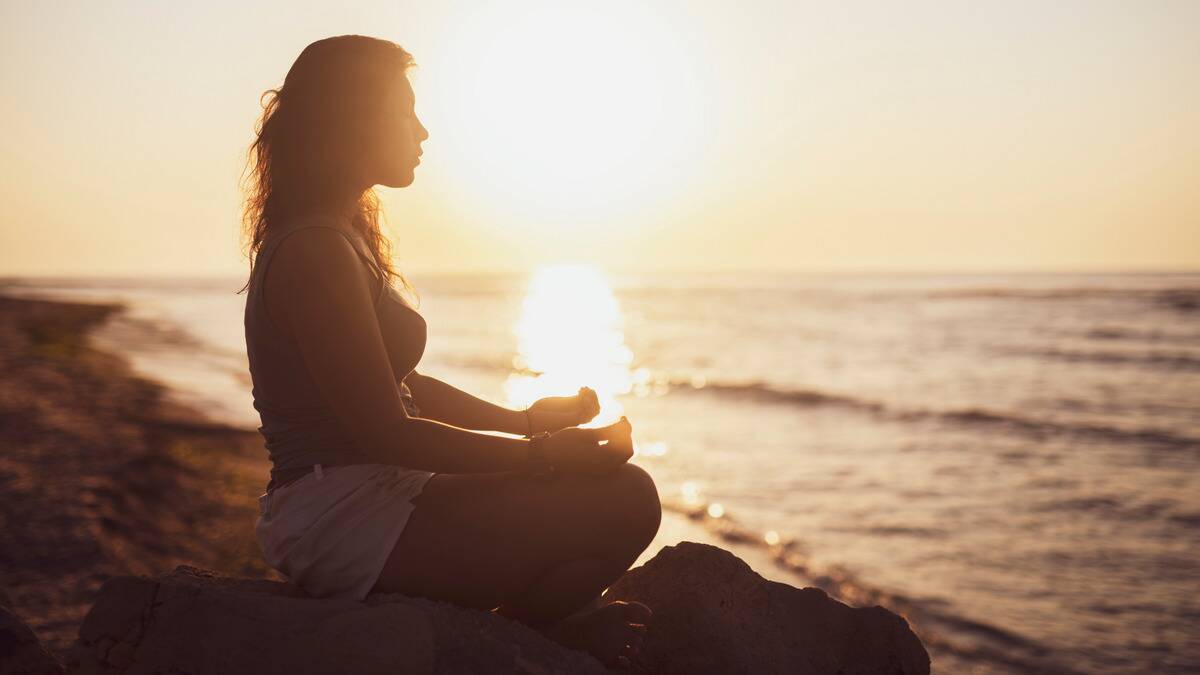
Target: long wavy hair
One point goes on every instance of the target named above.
(311, 137)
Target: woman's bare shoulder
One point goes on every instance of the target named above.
(310, 263)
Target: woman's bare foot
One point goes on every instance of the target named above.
(612, 633)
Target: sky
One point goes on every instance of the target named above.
(781, 136)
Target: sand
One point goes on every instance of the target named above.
(100, 476)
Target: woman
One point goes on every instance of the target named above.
(381, 481)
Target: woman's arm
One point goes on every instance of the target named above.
(325, 300)
(445, 403)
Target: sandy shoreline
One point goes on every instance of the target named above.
(103, 474)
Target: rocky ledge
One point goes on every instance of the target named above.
(713, 614)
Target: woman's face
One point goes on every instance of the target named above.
(401, 135)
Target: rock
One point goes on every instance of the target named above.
(714, 614)
(21, 653)
(197, 622)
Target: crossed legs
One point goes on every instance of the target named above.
(531, 549)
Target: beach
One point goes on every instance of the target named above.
(1011, 463)
(901, 303)
(102, 474)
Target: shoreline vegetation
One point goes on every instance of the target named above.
(102, 475)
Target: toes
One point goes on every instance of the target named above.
(633, 643)
(635, 612)
(619, 657)
(631, 652)
(635, 633)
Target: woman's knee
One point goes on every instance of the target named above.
(643, 510)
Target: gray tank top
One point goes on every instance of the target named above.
(298, 426)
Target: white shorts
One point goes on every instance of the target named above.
(331, 531)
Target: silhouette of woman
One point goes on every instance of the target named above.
(381, 479)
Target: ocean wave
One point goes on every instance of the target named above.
(1180, 299)
(971, 417)
(766, 393)
(1154, 359)
(1046, 428)
(1121, 508)
(141, 332)
(1117, 334)
(906, 531)
(1184, 298)
(1187, 519)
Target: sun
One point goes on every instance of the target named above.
(562, 113)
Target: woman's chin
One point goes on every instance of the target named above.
(403, 180)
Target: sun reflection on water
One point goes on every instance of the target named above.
(570, 336)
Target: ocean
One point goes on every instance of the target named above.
(1012, 461)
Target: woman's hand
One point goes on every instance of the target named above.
(576, 450)
(559, 412)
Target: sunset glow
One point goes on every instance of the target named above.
(568, 116)
(879, 318)
(767, 135)
(570, 336)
